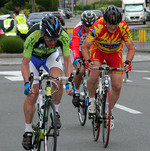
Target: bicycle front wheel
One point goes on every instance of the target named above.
(50, 128)
(35, 126)
(96, 118)
(96, 126)
(82, 112)
(106, 117)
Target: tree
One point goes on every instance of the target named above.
(48, 5)
(3, 2)
(19, 3)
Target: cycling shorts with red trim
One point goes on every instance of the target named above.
(114, 59)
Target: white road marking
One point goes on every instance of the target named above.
(132, 111)
(12, 75)
(127, 80)
(15, 73)
(146, 78)
(17, 78)
(143, 71)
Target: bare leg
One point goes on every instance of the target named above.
(58, 95)
(116, 83)
(92, 83)
(78, 78)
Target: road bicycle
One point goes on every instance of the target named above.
(83, 99)
(102, 118)
(44, 122)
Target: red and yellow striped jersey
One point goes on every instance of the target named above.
(108, 42)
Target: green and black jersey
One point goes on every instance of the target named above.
(36, 46)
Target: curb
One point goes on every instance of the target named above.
(11, 55)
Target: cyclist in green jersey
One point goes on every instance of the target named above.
(41, 49)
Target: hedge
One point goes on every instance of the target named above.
(11, 44)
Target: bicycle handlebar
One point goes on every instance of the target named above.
(107, 68)
(47, 77)
(81, 63)
(110, 69)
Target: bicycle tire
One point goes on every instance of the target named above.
(96, 118)
(82, 112)
(106, 117)
(83, 103)
(50, 128)
(96, 127)
(35, 126)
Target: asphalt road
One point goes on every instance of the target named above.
(131, 132)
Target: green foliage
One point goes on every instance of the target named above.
(28, 8)
(99, 5)
(49, 5)
(3, 2)
(11, 44)
(19, 3)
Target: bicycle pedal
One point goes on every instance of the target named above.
(91, 116)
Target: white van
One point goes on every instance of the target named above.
(134, 11)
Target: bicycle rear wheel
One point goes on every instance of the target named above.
(96, 127)
(82, 112)
(106, 117)
(50, 128)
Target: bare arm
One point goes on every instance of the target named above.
(131, 50)
(25, 69)
(85, 49)
(68, 65)
(68, 70)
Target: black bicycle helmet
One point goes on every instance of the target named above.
(51, 26)
(111, 11)
(88, 18)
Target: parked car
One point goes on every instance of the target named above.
(62, 12)
(37, 17)
(1, 30)
(67, 14)
(58, 15)
(98, 13)
(69, 11)
(147, 15)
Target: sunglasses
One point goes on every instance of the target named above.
(50, 39)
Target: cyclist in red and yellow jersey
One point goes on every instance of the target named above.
(106, 37)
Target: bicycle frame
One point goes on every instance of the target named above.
(103, 109)
(46, 112)
(41, 131)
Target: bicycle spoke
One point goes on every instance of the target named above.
(82, 112)
(106, 111)
(96, 127)
(50, 139)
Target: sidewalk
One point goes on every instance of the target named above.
(16, 59)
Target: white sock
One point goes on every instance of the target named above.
(77, 91)
(91, 99)
(57, 107)
(28, 127)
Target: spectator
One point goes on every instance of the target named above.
(22, 27)
(8, 26)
